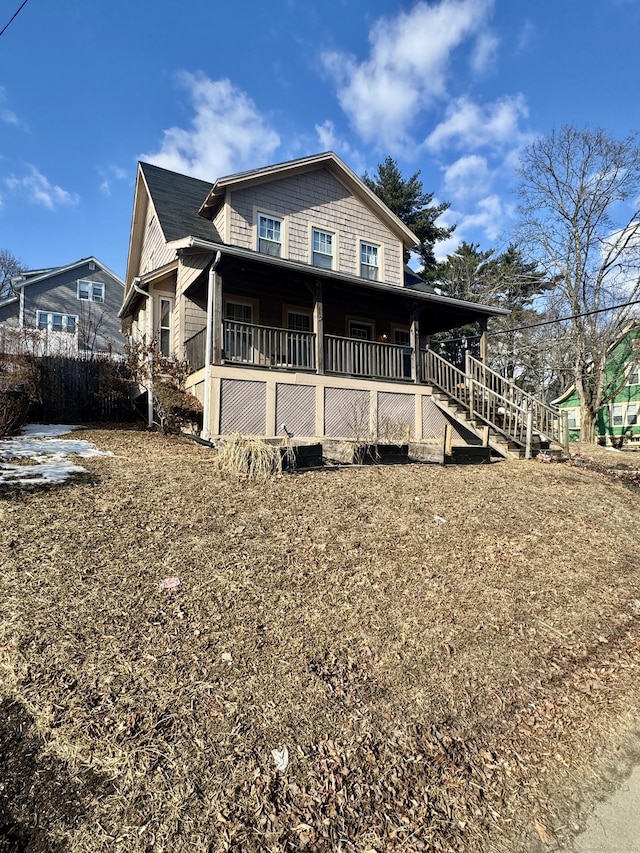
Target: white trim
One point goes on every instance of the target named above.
(90, 290)
(162, 328)
(377, 266)
(260, 213)
(65, 321)
(316, 229)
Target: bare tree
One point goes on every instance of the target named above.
(10, 266)
(579, 218)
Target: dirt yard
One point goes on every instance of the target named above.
(406, 658)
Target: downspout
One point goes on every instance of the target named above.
(149, 299)
(206, 432)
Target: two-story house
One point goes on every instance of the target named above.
(286, 289)
(69, 310)
(620, 415)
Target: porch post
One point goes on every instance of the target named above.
(484, 350)
(414, 337)
(318, 326)
(209, 344)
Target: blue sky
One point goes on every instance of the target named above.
(453, 88)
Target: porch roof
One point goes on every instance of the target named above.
(455, 312)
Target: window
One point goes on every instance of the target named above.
(617, 419)
(270, 235)
(369, 261)
(164, 327)
(633, 374)
(322, 249)
(360, 330)
(238, 344)
(573, 418)
(298, 321)
(91, 291)
(299, 347)
(50, 322)
(632, 414)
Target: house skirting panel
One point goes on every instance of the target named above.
(311, 406)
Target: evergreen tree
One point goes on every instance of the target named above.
(405, 198)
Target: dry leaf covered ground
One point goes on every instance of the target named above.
(449, 655)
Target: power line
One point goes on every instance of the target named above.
(544, 322)
(13, 17)
(564, 319)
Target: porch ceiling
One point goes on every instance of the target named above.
(436, 313)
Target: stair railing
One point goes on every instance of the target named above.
(547, 420)
(493, 399)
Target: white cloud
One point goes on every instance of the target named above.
(227, 133)
(38, 190)
(408, 64)
(471, 126)
(468, 177)
(111, 174)
(7, 116)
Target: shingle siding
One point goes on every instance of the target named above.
(315, 199)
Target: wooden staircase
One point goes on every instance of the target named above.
(515, 424)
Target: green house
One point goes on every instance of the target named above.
(621, 415)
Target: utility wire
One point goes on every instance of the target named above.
(14, 16)
(544, 322)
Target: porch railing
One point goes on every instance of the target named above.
(266, 346)
(366, 358)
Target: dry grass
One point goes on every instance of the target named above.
(454, 686)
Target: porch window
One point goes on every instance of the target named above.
(369, 261)
(360, 330)
(238, 344)
(90, 291)
(298, 321)
(50, 322)
(617, 418)
(299, 347)
(632, 414)
(270, 235)
(164, 328)
(402, 337)
(322, 249)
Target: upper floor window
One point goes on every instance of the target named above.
(92, 291)
(322, 249)
(270, 235)
(369, 261)
(51, 322)
(633, 374)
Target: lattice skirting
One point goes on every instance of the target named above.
(243, 407)
(296, 407)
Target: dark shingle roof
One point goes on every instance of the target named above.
(177, 199)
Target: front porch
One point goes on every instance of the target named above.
(272, 347)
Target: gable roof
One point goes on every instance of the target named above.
(32, 276)
(632, 326)
(176, 199)
(327, 160)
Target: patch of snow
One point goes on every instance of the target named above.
(42, 446)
